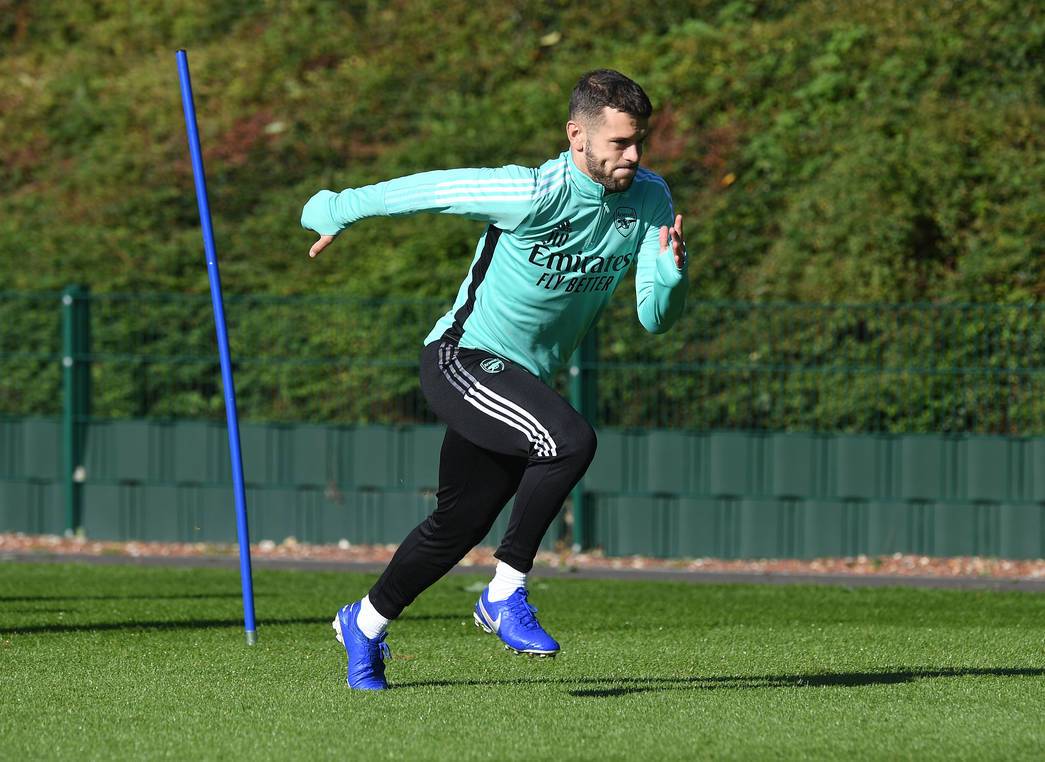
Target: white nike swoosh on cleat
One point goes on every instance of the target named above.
(494, 623)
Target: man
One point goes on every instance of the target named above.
(560, 238)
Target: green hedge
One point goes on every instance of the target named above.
(822, 152)
(728, 365)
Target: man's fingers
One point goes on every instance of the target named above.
(678, 243)
(322, 243)
(673, 236)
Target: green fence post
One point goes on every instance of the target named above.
(76, 402)
(583, 397)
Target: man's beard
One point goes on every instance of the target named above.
(607, 181)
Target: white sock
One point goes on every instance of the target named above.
(506, 581)
(370, 622)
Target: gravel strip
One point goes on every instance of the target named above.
(966, 572)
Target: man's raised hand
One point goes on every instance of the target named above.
(678, 243)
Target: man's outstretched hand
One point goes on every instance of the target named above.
(678, 243)
(326, 240)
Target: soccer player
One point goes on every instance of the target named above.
(559, 239)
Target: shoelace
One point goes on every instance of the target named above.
(524, 611)
(382, 651)
(382, 648)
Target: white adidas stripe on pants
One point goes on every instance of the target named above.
(496, 406)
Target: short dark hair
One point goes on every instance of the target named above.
(605, 87)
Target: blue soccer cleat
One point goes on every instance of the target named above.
(513, 621)
(366, 657)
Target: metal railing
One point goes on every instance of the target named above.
(727, 365)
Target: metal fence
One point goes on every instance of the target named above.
(727, 366)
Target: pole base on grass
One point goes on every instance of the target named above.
(252, 637)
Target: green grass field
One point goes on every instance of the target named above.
(116, 661)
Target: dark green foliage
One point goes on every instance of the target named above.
(820, 151)
(729, 365)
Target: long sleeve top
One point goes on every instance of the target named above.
(556, 247)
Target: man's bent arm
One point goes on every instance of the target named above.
(660, 286)
(503, 197)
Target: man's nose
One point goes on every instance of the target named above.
(632, 154)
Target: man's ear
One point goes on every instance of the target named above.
(576, 135)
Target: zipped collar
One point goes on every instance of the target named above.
(581, 182)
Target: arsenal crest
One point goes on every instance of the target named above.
(625, 220)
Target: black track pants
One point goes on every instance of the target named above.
(507, 433)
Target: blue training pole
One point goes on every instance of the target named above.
(223, 348)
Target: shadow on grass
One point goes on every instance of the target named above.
(73, 597)
(610, 687)
(192, 624)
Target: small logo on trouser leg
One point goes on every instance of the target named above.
(492, 365)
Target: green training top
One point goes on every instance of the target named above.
(556, 247)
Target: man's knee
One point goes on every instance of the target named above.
(580, 441)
